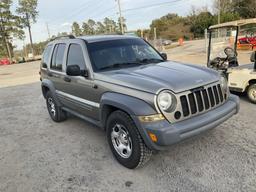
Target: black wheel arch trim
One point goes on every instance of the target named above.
(132, 106)
(48, 84)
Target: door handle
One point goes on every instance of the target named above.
(67, 79)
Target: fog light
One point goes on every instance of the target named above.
(177, 115)
(152, 137)
(151, 118)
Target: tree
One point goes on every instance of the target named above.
(170, 26)
(222, 6)
(245, 8)
(85, 28)
(201, 22)
(100, 29)
(110, 25)
(123, 21)
(76, 29)
(28, 10)
(91, 23)
(10, 26)
(226, 17)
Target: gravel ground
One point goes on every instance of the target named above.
(37, 154)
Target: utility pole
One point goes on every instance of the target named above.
(154, 33)
(155, 37)
(120, 16)
(219, 11)
(48, 31)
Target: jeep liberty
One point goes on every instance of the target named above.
(130, 90)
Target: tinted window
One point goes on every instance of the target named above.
(46, 54)
(58, 55)
(75, 56)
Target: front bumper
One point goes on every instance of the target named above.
(168, 134)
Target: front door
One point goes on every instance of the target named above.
(79, 92)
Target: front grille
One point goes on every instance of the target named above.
(201, 100)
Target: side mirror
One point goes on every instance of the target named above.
(73, 70)
(164, 56)
(44, 65)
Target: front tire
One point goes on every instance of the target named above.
(125, 141)
(251, 93)
(55, 112)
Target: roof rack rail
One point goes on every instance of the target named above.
(63, 37)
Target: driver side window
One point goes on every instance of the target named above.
(76, 56)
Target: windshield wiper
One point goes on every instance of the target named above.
(152, 60)
(119, 65)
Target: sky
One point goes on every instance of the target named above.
(60, 14)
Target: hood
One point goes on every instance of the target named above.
(174, 76)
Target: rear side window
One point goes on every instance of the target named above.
(46, 54)
(75, 56)
(58, 55)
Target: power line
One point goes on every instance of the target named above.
(151, 5)
(48, 31)
(120, 16)
(104, 12)
(75, 12)
(111, 8)
(146, 6)
(88, 11)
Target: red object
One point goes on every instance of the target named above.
(248, 40)
(5, 61)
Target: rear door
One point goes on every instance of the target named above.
(46, 60)
(56, 72)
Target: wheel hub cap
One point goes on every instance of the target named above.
(121, 141)
(253, 94)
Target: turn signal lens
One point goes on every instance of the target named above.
(152, 137)
(151, 118)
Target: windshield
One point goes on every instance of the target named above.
(115, 54)
(220, 39)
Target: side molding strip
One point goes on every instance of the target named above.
(91, 103)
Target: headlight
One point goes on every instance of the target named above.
(166, 101)
(224, 84)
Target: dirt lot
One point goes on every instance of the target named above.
(37, 154)
(19, 74)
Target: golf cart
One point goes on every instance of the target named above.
(223, 56)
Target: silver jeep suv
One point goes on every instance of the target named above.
(130, 90)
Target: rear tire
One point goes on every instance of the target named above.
(251, 93)
(125, 141)
(55, 112)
